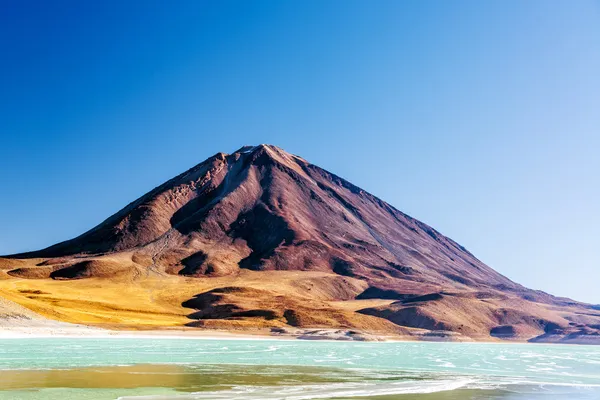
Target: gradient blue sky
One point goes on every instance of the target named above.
(481, 118)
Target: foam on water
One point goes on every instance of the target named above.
(327, 391)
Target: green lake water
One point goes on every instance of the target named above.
(182, 369)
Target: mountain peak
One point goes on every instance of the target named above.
(274, 210)
(260, 147)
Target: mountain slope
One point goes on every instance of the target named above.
(263, 209)
(273, 210)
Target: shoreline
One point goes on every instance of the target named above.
(87, 332)
(99, 333)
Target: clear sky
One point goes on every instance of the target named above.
(480, 118)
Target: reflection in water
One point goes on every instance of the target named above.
(186, 378)
(187, 382)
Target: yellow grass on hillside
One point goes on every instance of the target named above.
(117, 292)
(156, 301)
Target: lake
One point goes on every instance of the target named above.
(191, 368)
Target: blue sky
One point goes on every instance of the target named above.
(481, 119)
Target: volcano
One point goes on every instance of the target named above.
(279, 242)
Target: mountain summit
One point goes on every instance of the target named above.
(265, 210)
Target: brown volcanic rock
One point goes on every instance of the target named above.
(263, 209)
(226, 306)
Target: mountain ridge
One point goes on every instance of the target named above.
(257, 152)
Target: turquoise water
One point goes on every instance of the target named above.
(182, 369)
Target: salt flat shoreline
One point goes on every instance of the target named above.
(83, 332)
(86, 332)
(97, 333)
